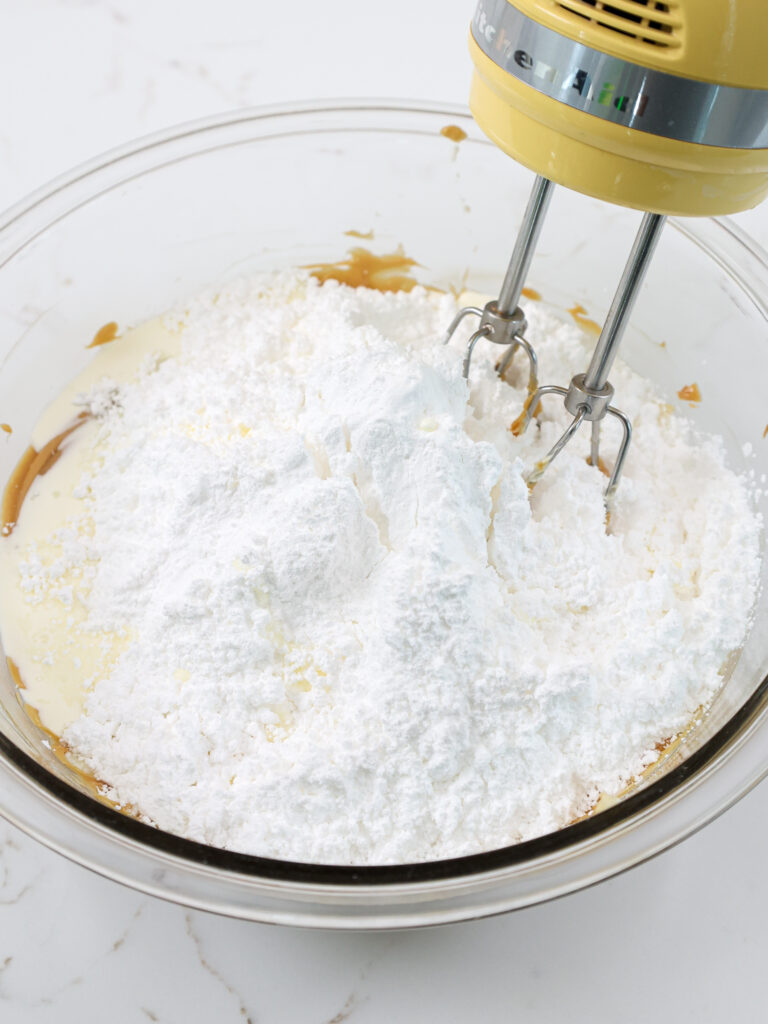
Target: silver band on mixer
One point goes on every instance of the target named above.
(618, 90)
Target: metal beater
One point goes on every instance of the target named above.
(588, 396)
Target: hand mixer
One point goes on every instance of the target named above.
(659, 106)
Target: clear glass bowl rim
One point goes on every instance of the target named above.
(734, 251)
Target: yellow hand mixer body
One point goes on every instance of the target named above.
(659, 106)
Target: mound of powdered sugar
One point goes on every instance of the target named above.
(355, 636)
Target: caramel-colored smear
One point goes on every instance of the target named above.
(6, 427)
(59, 748)
(31, 465)
(453, 132)
(367, 236)
(600, 465)
(363, 269)
(532, 294)
(538, 468)
(579, 315)
(765, 432)
(15, 674)
(456, 290)
(104, 335)
(690, 393)
(664, 747)
(516, 425)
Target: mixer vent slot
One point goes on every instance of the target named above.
(648, 22)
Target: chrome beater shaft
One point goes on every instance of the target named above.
(501, 320)
(589, 395)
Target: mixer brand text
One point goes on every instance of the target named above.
(575, 78)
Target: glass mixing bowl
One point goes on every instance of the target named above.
(124, 236)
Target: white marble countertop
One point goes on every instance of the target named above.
(682, 937)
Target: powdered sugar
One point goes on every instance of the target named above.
(353, 636)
